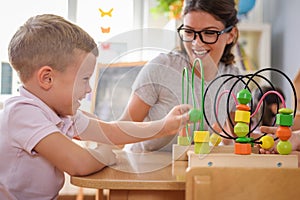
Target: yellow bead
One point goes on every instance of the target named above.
(201, 136)
(267, 142)
(242, 116)
(215, 139)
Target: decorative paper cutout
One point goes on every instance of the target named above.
(105, 46)
(105, 30)
(103, 13)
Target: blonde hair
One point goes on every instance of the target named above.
(47, 40)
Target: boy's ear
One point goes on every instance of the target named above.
(45, 77)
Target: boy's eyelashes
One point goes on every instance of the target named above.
(86, 78)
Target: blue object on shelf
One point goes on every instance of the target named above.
(245, 6)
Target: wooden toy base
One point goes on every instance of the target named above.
(234, 160)
(228, 183)
(180, 152)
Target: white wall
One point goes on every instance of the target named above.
(284, 17)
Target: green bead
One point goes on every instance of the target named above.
(284, 147)
(244, 139)
(195, 115)
(286, 111)
(241, 129)
(284, 120)
(244, 96)
(183, 140)
(201, 148)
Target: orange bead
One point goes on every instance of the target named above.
(283, 133)
(242, 107)
(242, 148)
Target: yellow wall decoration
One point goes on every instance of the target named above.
(103, 13)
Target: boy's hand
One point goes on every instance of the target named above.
(176, 119)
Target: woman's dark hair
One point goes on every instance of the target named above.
(270, 99)
(222, 10)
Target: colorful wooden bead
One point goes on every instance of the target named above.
(241, 129)
(242, 116)
(284, 147)
(283, 132)
(195, 115)
(284, 119)
(215, 139)
(201, 148)
(183, 141)
(285, 111)
(242, 148)
(243, 107)
(201, 136)
(244, 96)
(244, 140)
(267, 142)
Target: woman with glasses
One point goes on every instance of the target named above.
(208, 32)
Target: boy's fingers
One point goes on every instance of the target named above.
(185, 118)
(185, 108)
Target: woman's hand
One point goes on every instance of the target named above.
(294, 139)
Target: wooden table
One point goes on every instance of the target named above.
(155, 176)
(139, 176)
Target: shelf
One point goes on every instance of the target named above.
(253, 51)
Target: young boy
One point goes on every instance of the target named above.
(55, 60)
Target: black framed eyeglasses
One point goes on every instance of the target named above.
(206, 36)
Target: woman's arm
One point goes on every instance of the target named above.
(136, 110)
(296, 125)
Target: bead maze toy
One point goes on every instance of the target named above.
(203, 148)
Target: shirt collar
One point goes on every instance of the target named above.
(59, 121)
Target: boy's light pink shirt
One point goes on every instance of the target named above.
(24, 121)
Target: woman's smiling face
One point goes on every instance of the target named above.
(210, 54)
